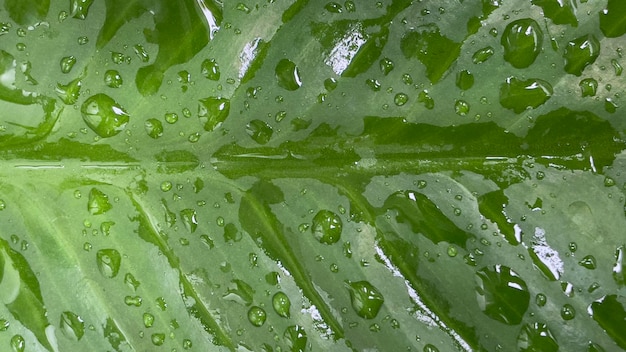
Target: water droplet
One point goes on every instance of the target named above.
(281, 304)
(288, 75)
(17, 343)
(333, 7)
(108, 261)
(98, 202)
(612, 21)
(464, 80)
(72, 326)
(80, 8)
(69, 92)
(231, 233)
(366, 299)
(67, 63)
(522, 40)
(502, 295)
(117, 57)
(400, 99)
(330, 84)
(158, 339)
(3, 204)
(259, 131)
(187, 344)
(482, 55)
(373, 84)
(588, 87)
(518, 95)
(430, 348)
(257, 316)
(568, 312)
(386, 66)
(536, 337)
(452, 251)
(610, 314)
(541, 299)
(210, 69)
(580, 53)
(424, 98)
(113, 79)
(141, 52)
(154, 128)
(148, 320)
(130, 280)
(189, 219)
(166, 186)
(619, 274)
(82, 40)
(104, 116)
(461, 107)
(296, 338)
(350, 6)
(610, 106)
(327, 227)
(215, 110)
(588, 262)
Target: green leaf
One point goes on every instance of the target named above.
(300, 175)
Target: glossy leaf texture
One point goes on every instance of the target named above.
(302, 175)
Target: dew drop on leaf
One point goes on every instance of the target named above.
(104, 115)
(210, 69)
(288, 75)
(189, 218)
(464, 80)
(588, 262)
(158, 339)
(154, 128)
(386, 66)
(256, 316)
(148, 320)
(17, 343)
(231, 233)
(580, 53)
(72, 326)
(522, 40)
(260, 131)
(619, 272)
(610, 314)
(365, 298)
(327, 227)
(518, 95)
(108, 261)
(430, 348)
(588, 87)
(568, 312)
(4, 325)
(482, 55)
(461, 107)
(612, 21)
(536, 337)
(424, 98)
(67, 63)
(400, 99)
(214, 110)
(296, 338)
(98, 202)
(141, 53)
(541, 299)
(502, 295)
(281, 304)
(80, 8)
(113, 79)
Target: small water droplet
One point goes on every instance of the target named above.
(67, 63)
(104, 115)
(430, 348)
(215, 110)
(80, 8)
(281, 304)
(113, 79)
(133, 301)
(98, 202)
(108, 261)
(461, 107)
(568, 312)
(464, 80)
(17, 343)
(541, 299)
(386, 66)
(366, 299)
(158, 339)
(257, 316)
(260, 131)
(72, 326)
(588, 87)
(610, 106)
(482, 55)
(288, 75)
(210, 69)
(400, 99)
(189, 217)
(327, 227)
(350, 6)
(580, 53)
(4, 325)
(373, 84)
(588, 262)
(333, 7)
(424, 98)
(141, 52)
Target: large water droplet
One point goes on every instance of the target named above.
(148, 320)
(518, 95)
(108, 261)
(113, 79)
(327, 226)
(296, 338)
(588, 87)
(189, 217)
(464, 80)
(17, 343)
(288, 75)
(72, 326)
(536, 337)
(210, 69)
(366, 299)
(522, 40)
(281, 304)
(260, 131)
(154, 128)
(257, 316)
(580, 53)
(215, 110)
(502, 295)
(67, 63)
(80, 8)
(612, 21)
(559, 11)
(610, 314)
(104, 115)
(98, 202)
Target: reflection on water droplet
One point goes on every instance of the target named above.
(72, 326)
(108, 261)
(210, 69)
(588, 87)
(464, 80)
(327, 227)
(281, 304)
(133, 301)
(98, 202)
(502, 294)
(400, 99)
(333, 7)
(612, 19)
(260, 131)
(518, 95)
(104, 115)
(430, 348)
(154, 128)
(461, 107)
(256, 316)
(522, 40)
(67, 63)
(541, 299)
(295, 337)
(386, 66)
(482, 55)
(588, 262)
(189, 219)
(158, 339)
(425, 98)
(610, 313)
(148, 320)
(580, 53)
(536, 337)
(80, 8)
(141, 52)
(366, 299)
(619, 272)
(568, 312)
(288, 75)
